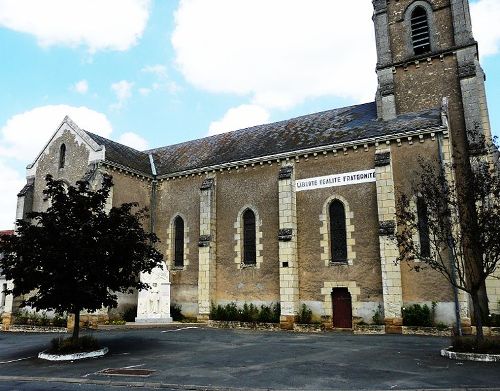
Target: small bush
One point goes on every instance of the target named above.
(417, 315)
(490, 345)
(116, 321)
(305, 315)
(378, 316)
(130, 314)
(176, 312)
(248, 313)
(441, 326)
(494, 320)
(69, 345)
(59, 321)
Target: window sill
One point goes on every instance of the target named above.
(339, 263)
(178, 268)
(248, 266)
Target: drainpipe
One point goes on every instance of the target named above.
(154, 185)
(449, 239)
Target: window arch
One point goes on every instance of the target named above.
(423, 228)
(178, 242)
(420, 32)
(338, 232)
(62, 155)
(249, 238)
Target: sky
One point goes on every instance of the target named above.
(150, 73)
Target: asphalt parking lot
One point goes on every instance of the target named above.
(212, 359)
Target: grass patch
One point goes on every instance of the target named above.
(490, 345)
(83, 344)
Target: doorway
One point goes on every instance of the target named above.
(342, 308)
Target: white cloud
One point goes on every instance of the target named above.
(144, 91)
(12, 182)
(81, 87)
(318, 48)
(123, 92)
(158, 69)
(485, 17)
(24, 135)
(95, 24)
(133, 140)
(239, 117)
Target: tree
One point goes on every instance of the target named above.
(430, 230)
(76, 256)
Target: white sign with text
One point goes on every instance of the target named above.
(348, 178)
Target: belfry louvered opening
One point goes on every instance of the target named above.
(420, 34)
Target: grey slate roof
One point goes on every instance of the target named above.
(309, 131)
(123, 155)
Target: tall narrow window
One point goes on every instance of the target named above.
(423, 228)
(62, 156)
(249, 245)
(420, 35)
(179, 242)
(338, 232)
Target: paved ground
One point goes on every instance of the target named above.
(200, 358)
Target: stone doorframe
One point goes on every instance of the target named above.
(326, 291)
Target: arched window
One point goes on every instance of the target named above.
(338, 232)
(423, 228)
(249, 245)
(179, 242)
(62, 156)
(420, 34)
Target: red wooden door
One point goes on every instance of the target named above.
(342, 308)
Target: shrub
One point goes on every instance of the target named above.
(62, 345)
(130, 314)
(248, 313)
(305, 315)
(378, 316)
(490, 345)
(176, 312)
(494, 320)
(441, 326)
(417, 315)
(59, 321)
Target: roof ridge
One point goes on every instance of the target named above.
(260, 125)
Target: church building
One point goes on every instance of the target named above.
(301, 211)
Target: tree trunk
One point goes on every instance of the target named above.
(483, 302)
(477, 315)
(76, 327)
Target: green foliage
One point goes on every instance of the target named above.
(76, 255)
(248, 313)
(469, 344)
(494, 320)
(116, 322)
(24, 317)
(176, 312)
(59, 321)
(441, 326)
(305, 315)
(70, 345)
(130, 314)
(417, 315)
(378, 316)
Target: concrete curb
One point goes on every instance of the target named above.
(74, 356)
(470, 356)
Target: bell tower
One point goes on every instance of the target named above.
(426, 51)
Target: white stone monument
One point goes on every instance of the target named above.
(153, 304)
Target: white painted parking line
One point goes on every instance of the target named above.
(17, 359)
(183, 328)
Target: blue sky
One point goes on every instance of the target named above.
(150, 73)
